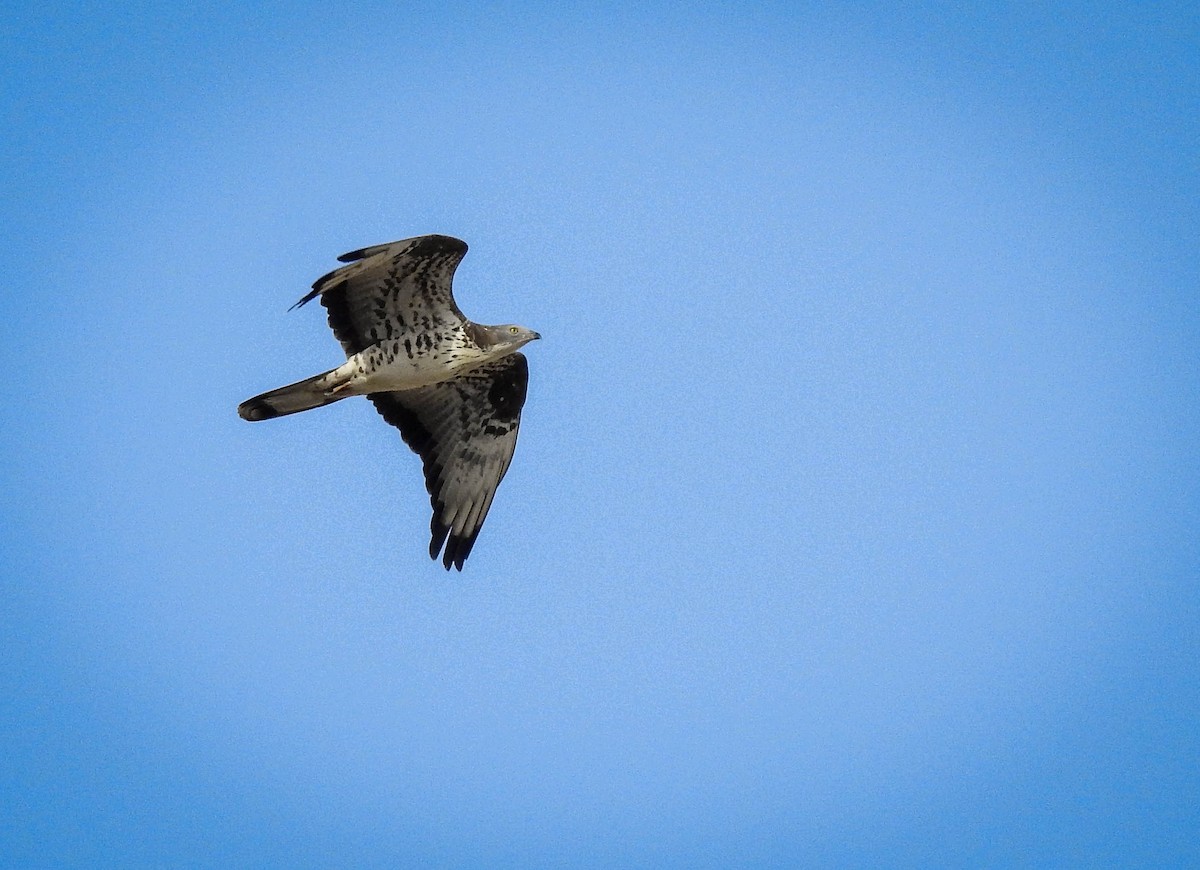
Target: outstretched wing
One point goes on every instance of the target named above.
(393, 290)
(465, 431)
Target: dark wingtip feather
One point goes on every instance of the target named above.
(429, 246)
(451, 557)
(310, 296)
(438, 532)
(457, 550)
(422, 246)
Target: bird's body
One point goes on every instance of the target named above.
(454, 388)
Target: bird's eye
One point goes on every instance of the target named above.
(513, 330)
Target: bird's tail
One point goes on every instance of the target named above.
(309, 393)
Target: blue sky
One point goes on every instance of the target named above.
(854, 517)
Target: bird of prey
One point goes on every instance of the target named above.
(453, 388)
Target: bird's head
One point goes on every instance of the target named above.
(508, 337)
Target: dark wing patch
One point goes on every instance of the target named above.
(387, 291)
(465, 431)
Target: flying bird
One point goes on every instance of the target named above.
(453, 388)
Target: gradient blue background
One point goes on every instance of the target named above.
(855, 516)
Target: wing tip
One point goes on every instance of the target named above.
(429, 246)
(457, 550)
(417, 246)
(438, 532)
(457, 547)
(309, 297)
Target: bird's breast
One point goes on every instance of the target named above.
(411, 362)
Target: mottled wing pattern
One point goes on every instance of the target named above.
(465, 431)
(398, 290)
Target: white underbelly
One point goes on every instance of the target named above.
(392, 366)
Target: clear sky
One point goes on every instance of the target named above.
(854, 520)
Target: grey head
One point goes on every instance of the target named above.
(506, 338)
